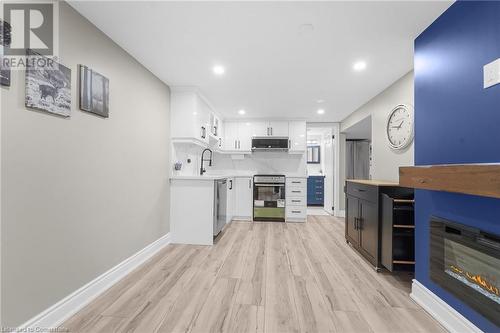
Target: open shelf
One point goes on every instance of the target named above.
(404, 262)
(405, 226)
(475, 179)
(398, 233)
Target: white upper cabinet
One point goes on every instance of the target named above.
(270, 128)
(278, 128)
(297, 133)
(215, 125)
(260, 128)
(245, 136)
(189, 117)
(231, 135)
(237, 136)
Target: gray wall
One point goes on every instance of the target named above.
(385, 161)
(79, 195)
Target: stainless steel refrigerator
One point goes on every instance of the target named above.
(357, 159)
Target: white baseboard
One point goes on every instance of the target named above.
(339, 213)
(68, 306)
(447, 316)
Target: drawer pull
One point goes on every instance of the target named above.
(296, 182)
(295, 200)
(296, 191)
(360, 190)
(296, 211)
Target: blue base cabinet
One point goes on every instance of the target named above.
(315, 190)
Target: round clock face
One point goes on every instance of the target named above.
(400, 127)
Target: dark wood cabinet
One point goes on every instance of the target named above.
(364, 215)
(368, 229)
(352, 213)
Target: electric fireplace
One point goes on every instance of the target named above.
(466, 262)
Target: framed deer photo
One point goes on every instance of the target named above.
(94, 92)
(48, 85)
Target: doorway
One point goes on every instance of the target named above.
(320, 169)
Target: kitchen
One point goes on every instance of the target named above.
(241, 170)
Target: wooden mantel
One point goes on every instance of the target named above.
(475, 179)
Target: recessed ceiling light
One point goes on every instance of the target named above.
(359, 66)
(320, 101)
(195, 113)
(242, 112)
(321, 111)
(219, 70)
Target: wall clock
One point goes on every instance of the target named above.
(399, 128)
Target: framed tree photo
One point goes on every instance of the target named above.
(94, 92)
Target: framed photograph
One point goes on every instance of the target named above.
(94, 92)
(4, 76)
(48, 85)
(4, 71)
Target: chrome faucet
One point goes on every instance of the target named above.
(202, 170)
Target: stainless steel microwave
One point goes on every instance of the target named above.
(270, 144)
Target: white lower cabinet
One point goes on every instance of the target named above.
(243, 198)
(230, 200)
(296, 199)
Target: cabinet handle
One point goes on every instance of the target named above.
(230, 184)
(289, 143)
(360, 190)
(268, 131)
(239, 144)
(235, 145)
(295, 191)
(296, 211)
(360, 223)
(295, 182)
(295, 200)
(203, 132)
(271, 131)
(249, 183)
(355, 223)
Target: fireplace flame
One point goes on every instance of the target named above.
(477, 279)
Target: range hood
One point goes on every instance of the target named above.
(270, 143)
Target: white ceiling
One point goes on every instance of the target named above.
(273, 67)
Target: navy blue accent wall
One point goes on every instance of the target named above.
(456, 121)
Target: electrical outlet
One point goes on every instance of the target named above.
(491, 73)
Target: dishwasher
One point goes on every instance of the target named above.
(220, 205)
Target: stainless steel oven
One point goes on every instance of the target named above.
(269, 198)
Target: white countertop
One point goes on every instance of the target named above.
(222, 176)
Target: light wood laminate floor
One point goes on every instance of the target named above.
(259, 277)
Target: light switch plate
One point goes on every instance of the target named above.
(491, 73)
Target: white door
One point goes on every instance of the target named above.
(244, 136)
(278, 128)
(243, 198)
(297, 131)
(230, 135)
(328, 170)
(260, 128)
